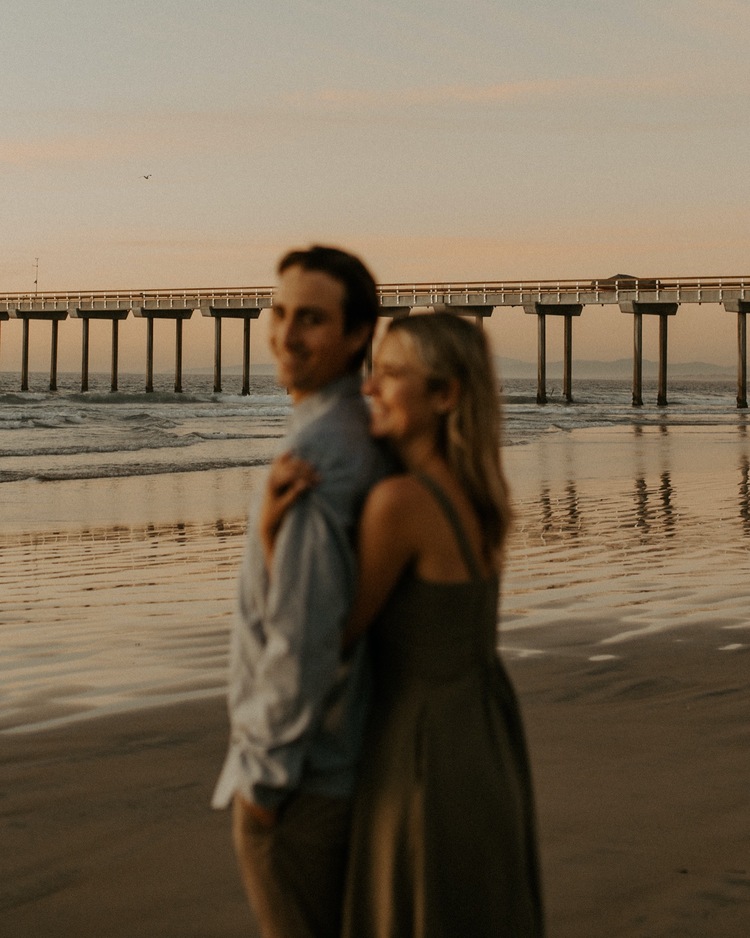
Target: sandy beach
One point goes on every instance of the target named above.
(625, 629)
(641, 769)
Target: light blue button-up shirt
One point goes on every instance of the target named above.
(296, 710)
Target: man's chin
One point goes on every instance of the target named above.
(286, 377)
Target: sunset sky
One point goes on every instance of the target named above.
(451, 141)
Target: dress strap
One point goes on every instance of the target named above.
(451, 515)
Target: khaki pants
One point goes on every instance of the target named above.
(294, 872)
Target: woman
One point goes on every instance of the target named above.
(443, 840)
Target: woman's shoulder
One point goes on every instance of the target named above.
(398, 495)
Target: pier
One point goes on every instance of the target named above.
(566, 299)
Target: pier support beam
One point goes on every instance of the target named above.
(25, 356)
(115, 356)
(86, 315)
(245, 357)
(52, 316)
(217, 355)
(246, 314)
(541, 359)
(541, 311)
(53, 355)
(178, 355)
(638, 310)
(85, 354)
(4, 317)
(742, 308)
(637, 360)
(178, 316)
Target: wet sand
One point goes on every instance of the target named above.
(625, 628)
(641, 767)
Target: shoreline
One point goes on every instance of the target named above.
(640, 768)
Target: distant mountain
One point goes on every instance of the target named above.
(256, 368)
(619, 368)
(582, 368)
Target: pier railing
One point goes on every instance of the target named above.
(587, 292)
(468, 293)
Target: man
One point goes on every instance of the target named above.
(296, 710)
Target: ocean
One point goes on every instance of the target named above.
(123, 516)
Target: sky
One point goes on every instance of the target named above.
(447, 141)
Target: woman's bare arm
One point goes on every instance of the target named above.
(387, 542)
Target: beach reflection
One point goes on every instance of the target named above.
(629, 533)
(744, 488)
(559, 516)
(659, 522)
(561, 513)
(110, 617)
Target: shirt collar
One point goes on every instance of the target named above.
(349, 385)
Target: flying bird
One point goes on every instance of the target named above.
(147, 177)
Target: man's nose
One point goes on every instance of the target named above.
(289, 332)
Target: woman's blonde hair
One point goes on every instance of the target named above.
(454, 349)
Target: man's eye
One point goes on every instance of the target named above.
(312, 319)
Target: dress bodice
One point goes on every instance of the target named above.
(437, 630)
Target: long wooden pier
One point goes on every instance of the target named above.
(637, 297)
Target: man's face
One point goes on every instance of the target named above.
(307, 332)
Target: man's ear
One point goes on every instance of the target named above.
(359, 338)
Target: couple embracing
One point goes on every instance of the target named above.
(377, 768)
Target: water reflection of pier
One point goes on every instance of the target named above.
(180, 533)
(645, 513)
(634, 296)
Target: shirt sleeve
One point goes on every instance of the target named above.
(295, 649)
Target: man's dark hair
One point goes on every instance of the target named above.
(361, 304)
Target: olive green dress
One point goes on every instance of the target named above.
(443, 842)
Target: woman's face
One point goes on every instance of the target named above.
(402, 405)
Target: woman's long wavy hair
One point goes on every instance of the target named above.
(454, 349)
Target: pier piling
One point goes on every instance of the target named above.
(25, 356)
(179, 315)
(637, 310)
(661, 397)
(178, 356)
(742, 308)
(53, 356)
(149, 355)
(217, 355)
(245, 356)
(53, 316)
(113, 378)
(541, 362)
(230, 311)
(85, 355)
(541, 311)
(86, 314)
(4, 317)
(742, 360)
(637, 360)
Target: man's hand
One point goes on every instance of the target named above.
(289, 477)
